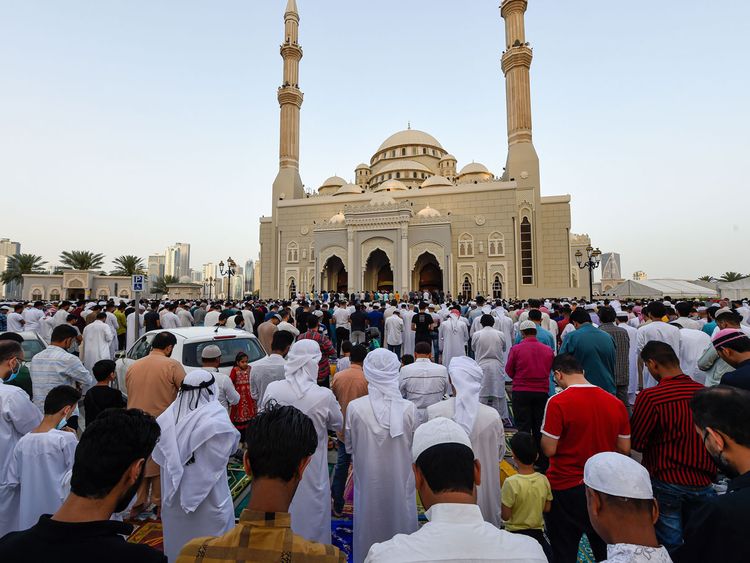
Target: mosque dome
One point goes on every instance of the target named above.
(401, 164)
(428, 212)
(409, 137)
(348, 189)
(436, 181)
(391, 186)
(337, 219)
(474, 168)
(448, 157)
(362, 165)
(330, 186)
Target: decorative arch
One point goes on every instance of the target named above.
(437, 250)
(103, 293)
(496, 244)
(375, 243)
(467, 287)
(37, 294)
(328, 252)
(54, 295)
(292, 252)
(125, 293)
(496, 287)
(465, 245)
(291, 285)
(75, 283)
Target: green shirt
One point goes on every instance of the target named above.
(526, 495)
(595, 350)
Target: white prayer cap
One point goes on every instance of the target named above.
(622, 313)
(437, 431)
(701, 309)
(318, 313)
(667, 303)
(210, 352)
(527, 325)
(617, 475)
(466, 376)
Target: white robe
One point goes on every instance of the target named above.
(453, 335)
(409, 335)
(170, 320)
(632, 361)
(311, 506)
(489, 351)
(693, 343)
(114, 324)
(488, 442)
(129, 339)
(662, 332)
(18, 416)
(96, 341)
(40, 470)
(385, 501)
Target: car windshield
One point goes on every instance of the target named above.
(230, 347)
(31, 348)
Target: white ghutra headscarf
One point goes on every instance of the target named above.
(301, 367)
(381, 368)
(466, 376)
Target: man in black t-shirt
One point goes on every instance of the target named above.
(101, 396)
(358, 321)
(151, 319)
(421, 324)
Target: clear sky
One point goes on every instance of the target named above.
(127, 125)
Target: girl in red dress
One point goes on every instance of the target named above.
(243, 411)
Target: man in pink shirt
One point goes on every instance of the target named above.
(529, 365)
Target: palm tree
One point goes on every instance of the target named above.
(127, 265)
(81, 259)
(731, 276)
(20, 264)
(160, 285)
(707, 278)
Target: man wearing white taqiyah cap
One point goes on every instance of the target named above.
(196, 441)
(447, 475)
(489, 346)
(379, 430)
(622, 508)
(453, 334)
(311, 507)
(485, 429)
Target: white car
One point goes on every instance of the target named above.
(190, 343)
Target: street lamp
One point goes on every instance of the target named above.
(208, 284)
(228, 272)
(593, 257)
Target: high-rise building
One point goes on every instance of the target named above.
(178, 260)
(249, 276)
(196, 276)
(9, 248)
(156, 267)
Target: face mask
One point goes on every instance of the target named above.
(62, 424)
(15, 371)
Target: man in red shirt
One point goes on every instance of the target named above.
(581, 421)
(663, 430)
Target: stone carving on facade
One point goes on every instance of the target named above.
(432, 247)
(370, 245)
(480, 220)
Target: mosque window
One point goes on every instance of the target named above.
(36, 295)
(527, 256)
(54, 295)
(403, 152)
(292, 252)
(292, 289)
(393, 153)
(424, 150)
(398, 174)
(497, 288)
(465, 245)
(496, 244)
(466, 288)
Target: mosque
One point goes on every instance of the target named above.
(414, 219)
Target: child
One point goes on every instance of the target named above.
(101, 396)
(526, 495)
(344, 362)
(244, 410)
(43, 459)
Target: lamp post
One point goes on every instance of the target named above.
(593, 257)
(228, 272)
(208, 284)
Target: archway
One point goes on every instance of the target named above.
(378, 272)
(497, 288)
(427, 275)
(335, 277)
(466, 288)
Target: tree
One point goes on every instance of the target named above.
(127, 265)
(160, 286)
(731, 276)
(707, 278)
(81, 259)
(20, 264)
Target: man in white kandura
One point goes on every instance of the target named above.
(484, 427)
(311, 507)
(453, 334)
(379, 430)
(196, 441)
(489, 347)
(96, 341)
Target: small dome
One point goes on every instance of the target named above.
(338, 219)
(391, 186)
(474, 168)
(436, 181)
(448, 157)
(409, 137)
(428, 212)
(333, 181)
(348, 189)
(362, 165)
(404, 165)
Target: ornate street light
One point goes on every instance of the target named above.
(593, 257)
(231, 265)
(208, 284)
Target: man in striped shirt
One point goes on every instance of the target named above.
(326, 349)
(663, 430)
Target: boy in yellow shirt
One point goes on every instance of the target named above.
(527, 495)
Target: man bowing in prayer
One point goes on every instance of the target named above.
(379, 431)
(453, 334)
(196, 441)
(311, 507)
(484, 427)
(96, 340)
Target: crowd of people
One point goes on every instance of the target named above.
(628, 424)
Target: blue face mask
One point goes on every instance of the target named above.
(15, 371)
(64, 422)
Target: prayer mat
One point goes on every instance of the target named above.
(149, 534)
(239, 487)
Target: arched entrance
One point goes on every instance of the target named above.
(335, 277)
(378, 272)
(466, 288)
(427, 275)
(497, 288)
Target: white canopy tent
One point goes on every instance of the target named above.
(657, 289)
(739, 289)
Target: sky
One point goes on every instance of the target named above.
(128, 125)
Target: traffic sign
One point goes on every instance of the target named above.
(137, 282)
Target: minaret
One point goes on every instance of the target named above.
(288, 184)
(523, 163)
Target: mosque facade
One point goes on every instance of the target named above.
(413, 219)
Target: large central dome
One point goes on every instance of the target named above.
(409, 137)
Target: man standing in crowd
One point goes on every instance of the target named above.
(489, 347)
(621, 338)
(453, 334)
(656, 329)
(226, 394)
(681, 470)
(327, 350)
(33, 316)
(733, 346)
(266, 330)
(593, 348)
(358, 321)
(270, 368)
(421, 324)
(580, 422)
(341, 318)
(97, 338)
(394, 332)
(151, 319)
(424, 382)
